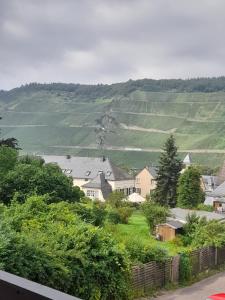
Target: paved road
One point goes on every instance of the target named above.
(198, 291)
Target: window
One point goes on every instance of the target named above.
(67, 171)
(138, 191)
(91, 193)
(137, 180)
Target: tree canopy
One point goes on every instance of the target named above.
(189, 190)
(49, 244)
(29, 176)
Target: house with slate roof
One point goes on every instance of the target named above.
(96, 176)
(145, 181)
(174, 224)
(217, 198)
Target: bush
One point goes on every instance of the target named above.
(202, 206)
(116, 199)
(51, 245)
(155, 214)
(185, 268)
(125, 213)
(96, 214)
(114, 217)
(120, 215)
(140, 252)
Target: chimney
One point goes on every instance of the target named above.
(103, 158)
(68, 156)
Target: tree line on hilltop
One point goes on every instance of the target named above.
(85, 91)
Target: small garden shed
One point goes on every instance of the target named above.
(167, 231)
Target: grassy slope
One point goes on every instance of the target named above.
(137, 229)
(197, 120)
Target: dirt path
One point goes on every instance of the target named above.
(137, 128)
(218, 151)
(198, 291)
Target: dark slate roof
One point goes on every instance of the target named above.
(210, 182)
(88, 167)
(219, 191)
(174, 224)
(152, 170)
(181, 214)
(99, 182)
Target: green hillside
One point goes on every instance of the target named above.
(61, 118)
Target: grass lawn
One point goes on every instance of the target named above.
(137, 229)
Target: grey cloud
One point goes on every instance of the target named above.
(109, 40)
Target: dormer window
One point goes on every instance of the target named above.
(67, 171)
(87, 173)
(108, 173)
(100, 172)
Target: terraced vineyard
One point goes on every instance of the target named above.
(54, 121)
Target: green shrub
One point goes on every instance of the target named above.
(114, 217)
(185, 268)
(155, 214)
(124, 213)
(51, 245)
(120, 215)
(115, 199)
(96, 214)
(202, 206)
(140, 252)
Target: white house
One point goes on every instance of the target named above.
(96, 176)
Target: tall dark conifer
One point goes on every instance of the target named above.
(168, 173)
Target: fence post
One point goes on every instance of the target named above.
(216, 256)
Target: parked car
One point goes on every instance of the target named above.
(217, 297)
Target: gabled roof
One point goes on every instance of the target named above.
(87, 167)
(152, 170)
(187, 160)
(210, 181)
(174, 224)
(181, 214)
(99, 182)
(219, 191)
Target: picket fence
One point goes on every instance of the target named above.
(158, 274)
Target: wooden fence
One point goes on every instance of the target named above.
(158, 274)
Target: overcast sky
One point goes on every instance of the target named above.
(105, 41)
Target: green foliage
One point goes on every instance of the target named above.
(8, 158)
(124, 213)
(168, 174)
(142, 253)
(96, 214)
(211, 234)
(192, 223)
(120, 215)
(49, 244)
(205, 207)
(155, 214)
(189, 190)
(114, 216)
(31, 176)
(184, 267)
(116, 199)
